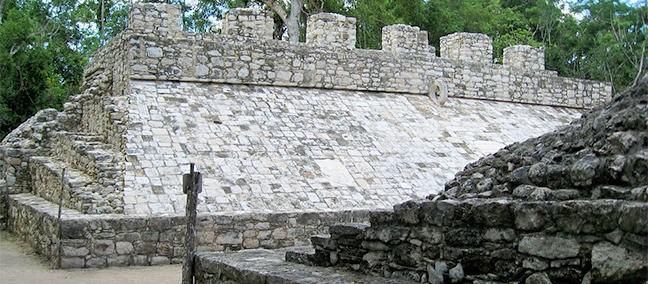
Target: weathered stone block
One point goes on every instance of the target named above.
(124, 248)
(406, 255)
(535, 263)
(159, 260)
(499, 235)
(432, 235)
(439, 213)
(408, 212)
(531, 216)
(612, 263)
(549, 246)
(103, 247)
(72, 262)
(387, 234)
(586, 216)
(119, 260)
(75, 251)
(96, 262)
(498, 213)
(538, 278)
(633, 218)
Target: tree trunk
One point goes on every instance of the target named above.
(292, 23)
(102, 18)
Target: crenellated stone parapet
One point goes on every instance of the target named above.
(247, 22)
(334, 30)
(406, 64)
(472, 47)
(524, 57)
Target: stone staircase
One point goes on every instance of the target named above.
(92, 174)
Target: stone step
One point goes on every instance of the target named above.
(80, 191)
(269, 266)
(348, 229)
(87, 152)
(308, 256)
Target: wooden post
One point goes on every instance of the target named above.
(60, 209)
(190, 236)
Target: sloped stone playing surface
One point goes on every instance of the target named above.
(274, 149)
(566, 207)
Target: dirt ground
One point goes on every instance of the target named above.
(19, 264)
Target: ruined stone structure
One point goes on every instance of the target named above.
(290, 138)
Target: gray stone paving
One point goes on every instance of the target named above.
(279, 149)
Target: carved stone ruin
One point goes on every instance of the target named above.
(290, 138)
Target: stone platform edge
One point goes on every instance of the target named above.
(102, 240)
(268, 266)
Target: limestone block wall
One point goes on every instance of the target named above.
(471, 47)
(465, 65)
(332, 30)
(122, 240)
(281, 64)
(602, 241)
(247, 22)
(524, 57)
(404, 38)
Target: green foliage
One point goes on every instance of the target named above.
(39, 67)
(613, 41)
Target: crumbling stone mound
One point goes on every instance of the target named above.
(603, 154)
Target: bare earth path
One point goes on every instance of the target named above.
(18, 264)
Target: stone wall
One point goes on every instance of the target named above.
(468, 73)
(122, 240)
(524, 57)
(494, 240)
(101, 106)
(29, 139)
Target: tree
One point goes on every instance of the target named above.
(614, 36)
(39, 64)
(290, 16)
